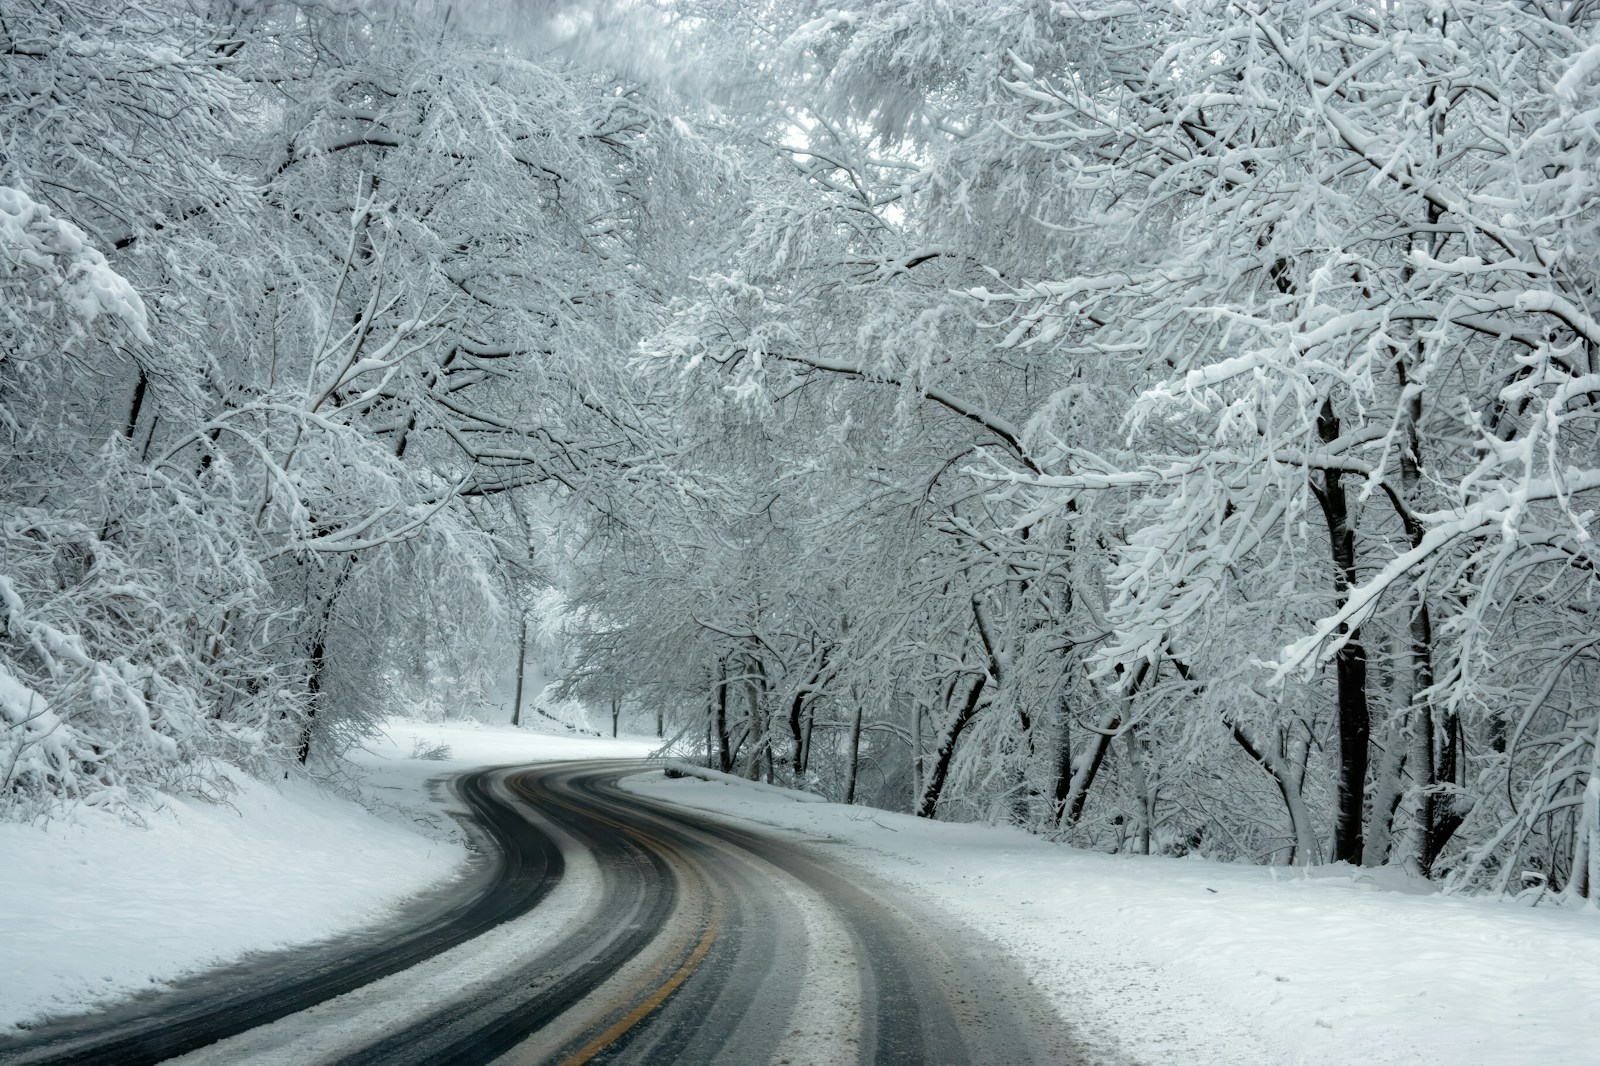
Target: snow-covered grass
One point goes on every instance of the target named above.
(94, 909)
(1186, 961)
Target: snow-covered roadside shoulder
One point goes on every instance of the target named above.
(1169, 961)
(94, 909)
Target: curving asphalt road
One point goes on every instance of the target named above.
(608, 929)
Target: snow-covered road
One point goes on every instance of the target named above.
(614, 927)
(1149, 960)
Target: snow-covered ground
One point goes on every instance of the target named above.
(1169, 961)
(96, 909)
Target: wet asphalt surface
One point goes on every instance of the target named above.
(701, 944)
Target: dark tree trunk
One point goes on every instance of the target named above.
(1064, 759)
(797, 759)
(1354, 735)
(318, 657)
(1439, 754)
(953, 729)
(522, 661)
(855, 754)
(929, 804)
(1097, 758)
(1441, 818)
(1350, 662)
(314, 691)
(758, 732)
(724, 756)
(1439, 821)
(916, 754)
(1074, 782)
(805, 737)
(800, 737)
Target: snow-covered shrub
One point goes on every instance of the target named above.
(429, 751)
(92, 693)
(572, 713)
(115, 578)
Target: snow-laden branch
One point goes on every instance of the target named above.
(1499, 511)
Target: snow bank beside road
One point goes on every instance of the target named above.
(1179, 961)
(96, 909)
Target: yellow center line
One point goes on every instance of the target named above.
(654, 1000)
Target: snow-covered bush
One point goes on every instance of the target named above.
(99, 688)
(428, 751)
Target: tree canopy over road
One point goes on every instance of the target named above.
(1166, 427)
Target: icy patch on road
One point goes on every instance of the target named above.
(1181, 961)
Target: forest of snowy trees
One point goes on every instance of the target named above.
(1168, 427)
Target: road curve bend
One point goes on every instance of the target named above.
(612, 929)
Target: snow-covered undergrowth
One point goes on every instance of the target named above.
(97, 908)
(1186, 961)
